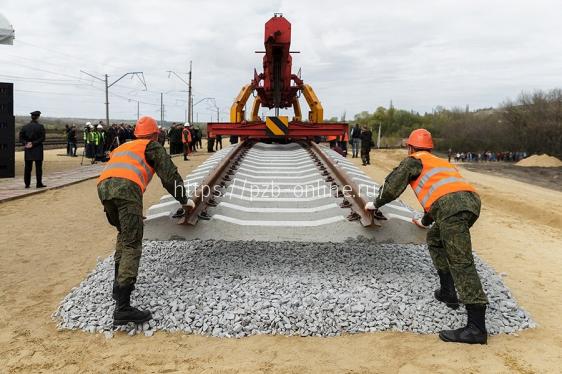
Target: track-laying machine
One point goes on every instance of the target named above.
(278, 183)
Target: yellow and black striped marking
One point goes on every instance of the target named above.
(277, 126)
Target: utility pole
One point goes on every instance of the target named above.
(106, 101)
(218, 115)
(105, 80)
(190, 98)
(189, 92)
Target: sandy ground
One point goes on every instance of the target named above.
(549, 177)
(54, 160)
(51, 241)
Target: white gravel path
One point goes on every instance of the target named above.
(235, 289)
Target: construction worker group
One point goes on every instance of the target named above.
(451, 206)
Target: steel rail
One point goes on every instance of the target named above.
(216, 178)
(343, 181)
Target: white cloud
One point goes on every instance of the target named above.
(357, 54)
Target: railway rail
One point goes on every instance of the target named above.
(277, 192)
(51, 144)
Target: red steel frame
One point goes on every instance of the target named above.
(297, 130)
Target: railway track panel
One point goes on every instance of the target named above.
(281, 192)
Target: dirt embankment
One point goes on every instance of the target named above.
(544, 161)
(50, 242)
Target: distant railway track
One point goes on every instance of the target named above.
(51, 144)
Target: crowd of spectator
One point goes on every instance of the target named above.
(174, 137)
(487, 156)
(100, 140)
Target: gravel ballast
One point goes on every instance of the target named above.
(235, 289)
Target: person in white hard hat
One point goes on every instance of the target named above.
(102, 140)
(88, 141)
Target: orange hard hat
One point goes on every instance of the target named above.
(146, 125)
(420, 138)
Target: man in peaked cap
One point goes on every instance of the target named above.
(32, 137)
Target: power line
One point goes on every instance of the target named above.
(138, 74)
(36, 78)
(76, 81)
(54, 93)
(81, 58)
(57, 82)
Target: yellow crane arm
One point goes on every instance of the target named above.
(237, 109)
(256, 109)
(316, 114)
(297, 109)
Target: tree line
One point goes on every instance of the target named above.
(531, 123)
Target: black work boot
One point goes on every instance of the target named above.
(475, 331)
(124, 312)
(447, 294)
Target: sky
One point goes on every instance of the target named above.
(357, 55)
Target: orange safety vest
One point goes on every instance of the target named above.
(438, 178)
(331, 138)
(128, 161)
(184, 138)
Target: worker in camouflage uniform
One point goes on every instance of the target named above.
(120, 189)
(451, 207)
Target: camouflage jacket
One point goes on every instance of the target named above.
(156, 156)
(446, 206)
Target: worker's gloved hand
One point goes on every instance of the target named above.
(423, 222)
(179, 213)
(189, 205)
(377, 214)
(427, 220)
(184, 208)
(370, 206)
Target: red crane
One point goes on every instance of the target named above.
(277, 87)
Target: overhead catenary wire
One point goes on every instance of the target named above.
(55, 78)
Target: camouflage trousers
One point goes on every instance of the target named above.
(126, 216)
(451, 251)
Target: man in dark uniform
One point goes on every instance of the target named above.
(161, 136)
(120, 188)
(72, 140)
(366, 142)
(176, 145)
(355, 140)
(32, 137)
(451, 204)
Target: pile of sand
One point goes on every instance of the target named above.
(544, 161)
